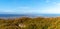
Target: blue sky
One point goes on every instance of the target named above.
(29, 6)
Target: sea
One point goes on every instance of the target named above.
(27, 15)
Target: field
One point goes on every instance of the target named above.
(30, 23)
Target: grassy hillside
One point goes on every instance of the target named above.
(30, 23)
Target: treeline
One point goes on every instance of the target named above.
(30, 23)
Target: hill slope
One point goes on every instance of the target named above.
(30, 23)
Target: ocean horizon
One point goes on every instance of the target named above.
(27, 15)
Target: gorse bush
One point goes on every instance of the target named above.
(30, 23)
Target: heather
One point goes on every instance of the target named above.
(30, 23)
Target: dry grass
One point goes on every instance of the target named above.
(30, 23)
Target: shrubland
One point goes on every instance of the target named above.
(30, 23)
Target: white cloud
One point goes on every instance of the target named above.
(53, 2)
(7, 11)
(58, 4)
(22, 7)
(55, 10)
(50, 11)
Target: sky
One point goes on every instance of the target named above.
(29, 6)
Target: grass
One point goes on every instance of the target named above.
(30, 23)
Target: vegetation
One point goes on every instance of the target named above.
(30, 23)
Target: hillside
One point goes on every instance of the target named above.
(30, 23)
